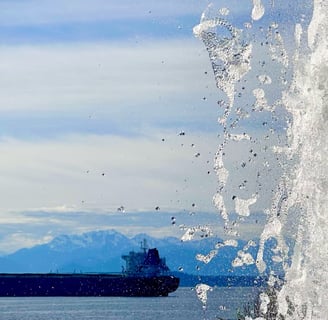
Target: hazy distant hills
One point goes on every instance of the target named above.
(100, 251)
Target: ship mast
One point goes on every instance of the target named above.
(143, 245)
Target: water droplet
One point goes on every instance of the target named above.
(121, 209)
(224, 11)
(221, 103)
(201, 291)
(258, 10)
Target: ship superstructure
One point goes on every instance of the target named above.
(145, 263)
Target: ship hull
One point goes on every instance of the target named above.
(47, 285)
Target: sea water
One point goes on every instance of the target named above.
(183, 304)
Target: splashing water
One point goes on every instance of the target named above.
(258, 10)
(202, 291)
(273, 156)
(307, 285)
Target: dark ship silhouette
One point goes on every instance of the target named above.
(145, 275)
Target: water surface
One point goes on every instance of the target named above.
(182, 304)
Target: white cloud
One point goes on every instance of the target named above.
(101, 76)
(33, 12)
(105, 172)
(18, 240)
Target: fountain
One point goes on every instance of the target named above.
(270, 63)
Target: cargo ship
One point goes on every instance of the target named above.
(145, 275)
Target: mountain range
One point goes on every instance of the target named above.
(100, 251)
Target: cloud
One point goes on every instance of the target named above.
(107, 171)
(17, 240)
(20, 12)
(75, 184)
(102, 76)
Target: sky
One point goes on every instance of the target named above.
(94, 96)
(107, 104)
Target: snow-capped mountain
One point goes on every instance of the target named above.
(104, 238)
(100, 251)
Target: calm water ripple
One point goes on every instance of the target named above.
(183, 304)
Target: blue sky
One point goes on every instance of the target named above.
(93, 96)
